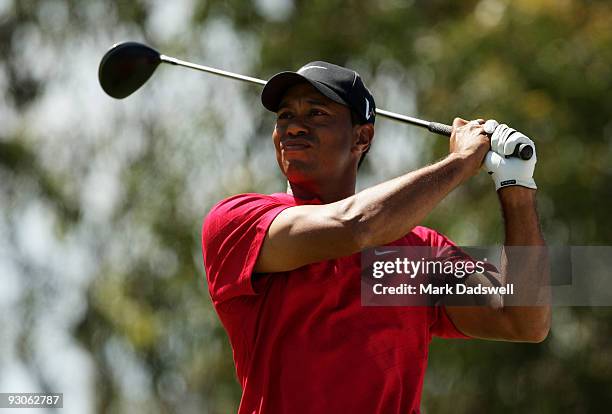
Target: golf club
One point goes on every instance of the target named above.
(126, 66)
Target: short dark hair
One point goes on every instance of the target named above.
(356, 120)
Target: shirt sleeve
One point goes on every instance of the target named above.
(232, 236)
(441, 324)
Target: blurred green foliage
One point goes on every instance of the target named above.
(542, 66)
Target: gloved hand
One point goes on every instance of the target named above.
(508, 171)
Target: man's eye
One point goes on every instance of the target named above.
(284, 115)
(317, 112)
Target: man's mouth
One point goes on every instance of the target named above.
(294, 145)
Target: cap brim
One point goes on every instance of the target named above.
(278, 85)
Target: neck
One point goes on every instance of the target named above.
(327, 192)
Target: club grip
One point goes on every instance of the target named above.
(440, 129)
(522, 151)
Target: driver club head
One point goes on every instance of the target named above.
(126, 67)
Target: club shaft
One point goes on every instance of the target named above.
(381, 112)
(402, 118)
(521, 151)
(231, 75)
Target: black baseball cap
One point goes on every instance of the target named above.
(339, 84)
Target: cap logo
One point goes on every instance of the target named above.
(368, 114)
(305, 68)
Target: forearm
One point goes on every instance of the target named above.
(521, 224)
(388, 211)
(526, 266)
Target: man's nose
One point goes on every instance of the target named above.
(296, 127)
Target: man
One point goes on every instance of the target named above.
(284, 269)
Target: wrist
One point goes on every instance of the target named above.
(516, 196)
(464, 164)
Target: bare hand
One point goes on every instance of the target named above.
(470, 142)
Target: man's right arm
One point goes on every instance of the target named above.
(375, 216)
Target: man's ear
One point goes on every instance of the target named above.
(363, 137)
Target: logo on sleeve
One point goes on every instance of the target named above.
(383, 252)
(368, 112)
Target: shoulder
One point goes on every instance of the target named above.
(241, 210)
(424, 236)
(241, 204)
(244, 200)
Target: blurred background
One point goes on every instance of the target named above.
(102, 290)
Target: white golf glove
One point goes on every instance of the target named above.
(508, 171)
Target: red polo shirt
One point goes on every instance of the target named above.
(301, 340)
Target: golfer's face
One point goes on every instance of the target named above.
(312, 136)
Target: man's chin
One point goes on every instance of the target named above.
(298, 171)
